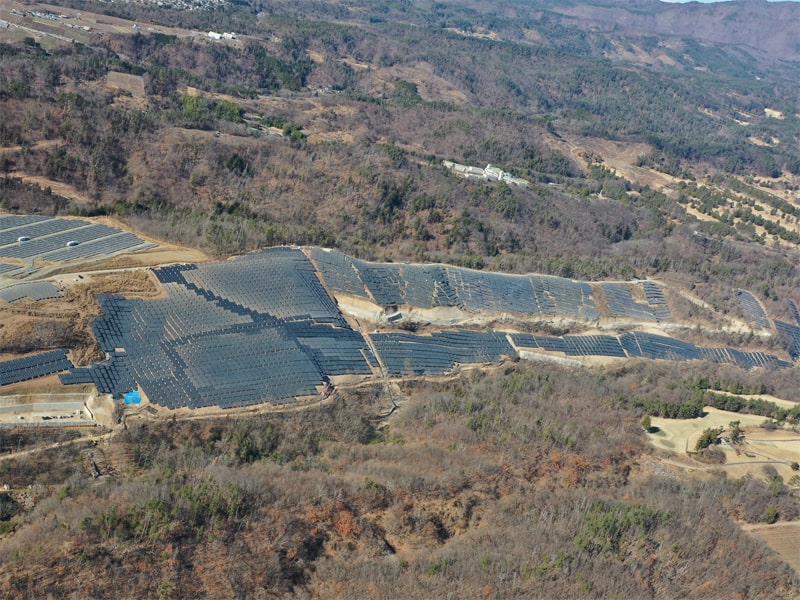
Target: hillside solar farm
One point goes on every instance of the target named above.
(284, 323)
(347, 300)
(25, 239)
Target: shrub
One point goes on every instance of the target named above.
(710, 436)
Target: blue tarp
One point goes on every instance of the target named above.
(133, 398)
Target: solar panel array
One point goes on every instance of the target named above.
(644, 345)
(656, 300)
(27, 237)
(746, 360)
(259, 328)
(572, 345)
(559, 296)
(791, 337)
(753, 309)
(621, 303)
(279, 281)
(32, 227)
(262, 328)
(429, 286)
(648, 345)
(478, 291)
(30, 367)
(795, 312)
(385, 283)
(9, 221)
(40, 290)
(339, 272)
(106, 245)
(439, 353)
(5, 267)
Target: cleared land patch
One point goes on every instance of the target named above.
(783, 537)
(760, 447)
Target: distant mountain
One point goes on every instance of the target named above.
(773, 27)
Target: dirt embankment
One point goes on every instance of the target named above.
(28, 325)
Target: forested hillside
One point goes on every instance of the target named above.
(531, 481)
(656, 140)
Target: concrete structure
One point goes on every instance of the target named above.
(490, 173)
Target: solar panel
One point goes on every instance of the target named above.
(791, 337)
(439, 353)
(339, 272)
(795, 312)
(263, 328)
(31, 367)
(260, 328)
(621, 303)
(753, 309)
(57, 239)
(19, 228)
(41, 290)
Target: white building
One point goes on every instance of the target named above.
(490, 173)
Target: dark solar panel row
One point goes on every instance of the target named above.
(187, 311)
(112, 330)
(795, 312)
(406, 353)
(112, 377)
(621, 304)
(791, 337)
(750, 360)
(426, 286)
(644, 345)
(648, 345)
(477, 291)
(339, 272)
(551, 344)
(5, 267)
(593, 345)
(247, 363)
(657, 301)
(753, 309)
(9, 221)
(336, 351)
(43, 245)
(384, 282)
(556, 295)
(22, 271)
(102, 246)
(173, 273)
(746, 360)
(717, 355)
(40, 290)
(36, 229)
(31, 367)
(279, 281)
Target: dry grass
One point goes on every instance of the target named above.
(784, 538)
(132, 84)
(778, 448)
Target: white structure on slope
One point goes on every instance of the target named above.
(490, 173)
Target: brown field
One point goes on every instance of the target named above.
(133, 84)
(783, 537)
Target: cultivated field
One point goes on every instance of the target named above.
(783, 537)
